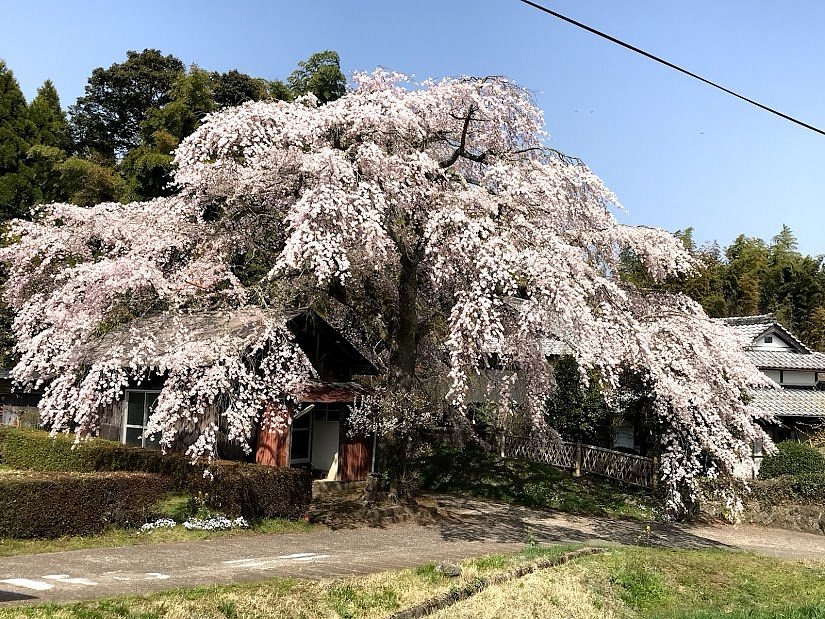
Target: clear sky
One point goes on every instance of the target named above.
(676, 152)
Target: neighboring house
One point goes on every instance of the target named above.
(16, 408)
(800, 405)
(318, 437)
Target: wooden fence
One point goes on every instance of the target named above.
(624, 467)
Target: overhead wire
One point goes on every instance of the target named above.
(671, 65)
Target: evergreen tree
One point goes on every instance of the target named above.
(15, 135)
(50, 125)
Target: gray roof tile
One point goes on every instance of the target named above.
(791, 402)
(769, 359)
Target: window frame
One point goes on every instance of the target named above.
(146, 413)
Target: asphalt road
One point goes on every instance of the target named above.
(469, 528)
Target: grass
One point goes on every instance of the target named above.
(534, 484)
(176, 506)
(113, 538)
(619, 583)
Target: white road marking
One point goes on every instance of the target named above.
(65, 578)
(28, 584)
(156, 576)
(269, 562)
(123, 578)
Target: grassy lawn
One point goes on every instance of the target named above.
(113, 538)
(533, 484)
(620, 583)
(175, 507)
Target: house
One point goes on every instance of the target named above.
(16, 408)
(800, 405)
(318, 437)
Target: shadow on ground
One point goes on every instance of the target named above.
(472, 520)
(350, 510)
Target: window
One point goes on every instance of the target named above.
(139, 405)
(769, 339)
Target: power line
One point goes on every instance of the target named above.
(655, 58)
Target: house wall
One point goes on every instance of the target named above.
(272, 447)
(111, 421)
(777, 344)
(798, 378)
(774, 375)
(354, 458)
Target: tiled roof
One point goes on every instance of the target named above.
(791, 402)
(749, 331)
(555, 347)
(769, 359)
(751, 327)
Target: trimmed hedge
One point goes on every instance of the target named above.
(792, 458)
(37, 450)
(51, 504)
(235, 488)
(803, 489)
(256, 491)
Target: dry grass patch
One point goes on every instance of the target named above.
(558, 593)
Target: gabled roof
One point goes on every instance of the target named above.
(751, 328)
(210, 335)
(791, 402)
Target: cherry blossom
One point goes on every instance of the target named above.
(424, 210)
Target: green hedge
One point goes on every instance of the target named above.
(256, 491)
(37, 450)
(792, 458)
(803, 489)
(236, 488)
(52, 504)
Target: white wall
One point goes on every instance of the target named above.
(778, 344)
(798, 378)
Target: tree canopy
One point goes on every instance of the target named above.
(107, 118)
(428, 215)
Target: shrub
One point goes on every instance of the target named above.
(792, 458)
(255, 491)
(51, 504)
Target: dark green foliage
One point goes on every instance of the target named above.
(577, 412)
(107, 119)
(792, 458)
(233, 88)
(56, 504)
(321, 75)
(256, 491)
(147, 174)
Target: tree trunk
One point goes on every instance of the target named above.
(403, 358)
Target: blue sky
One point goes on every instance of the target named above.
(676, 152)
